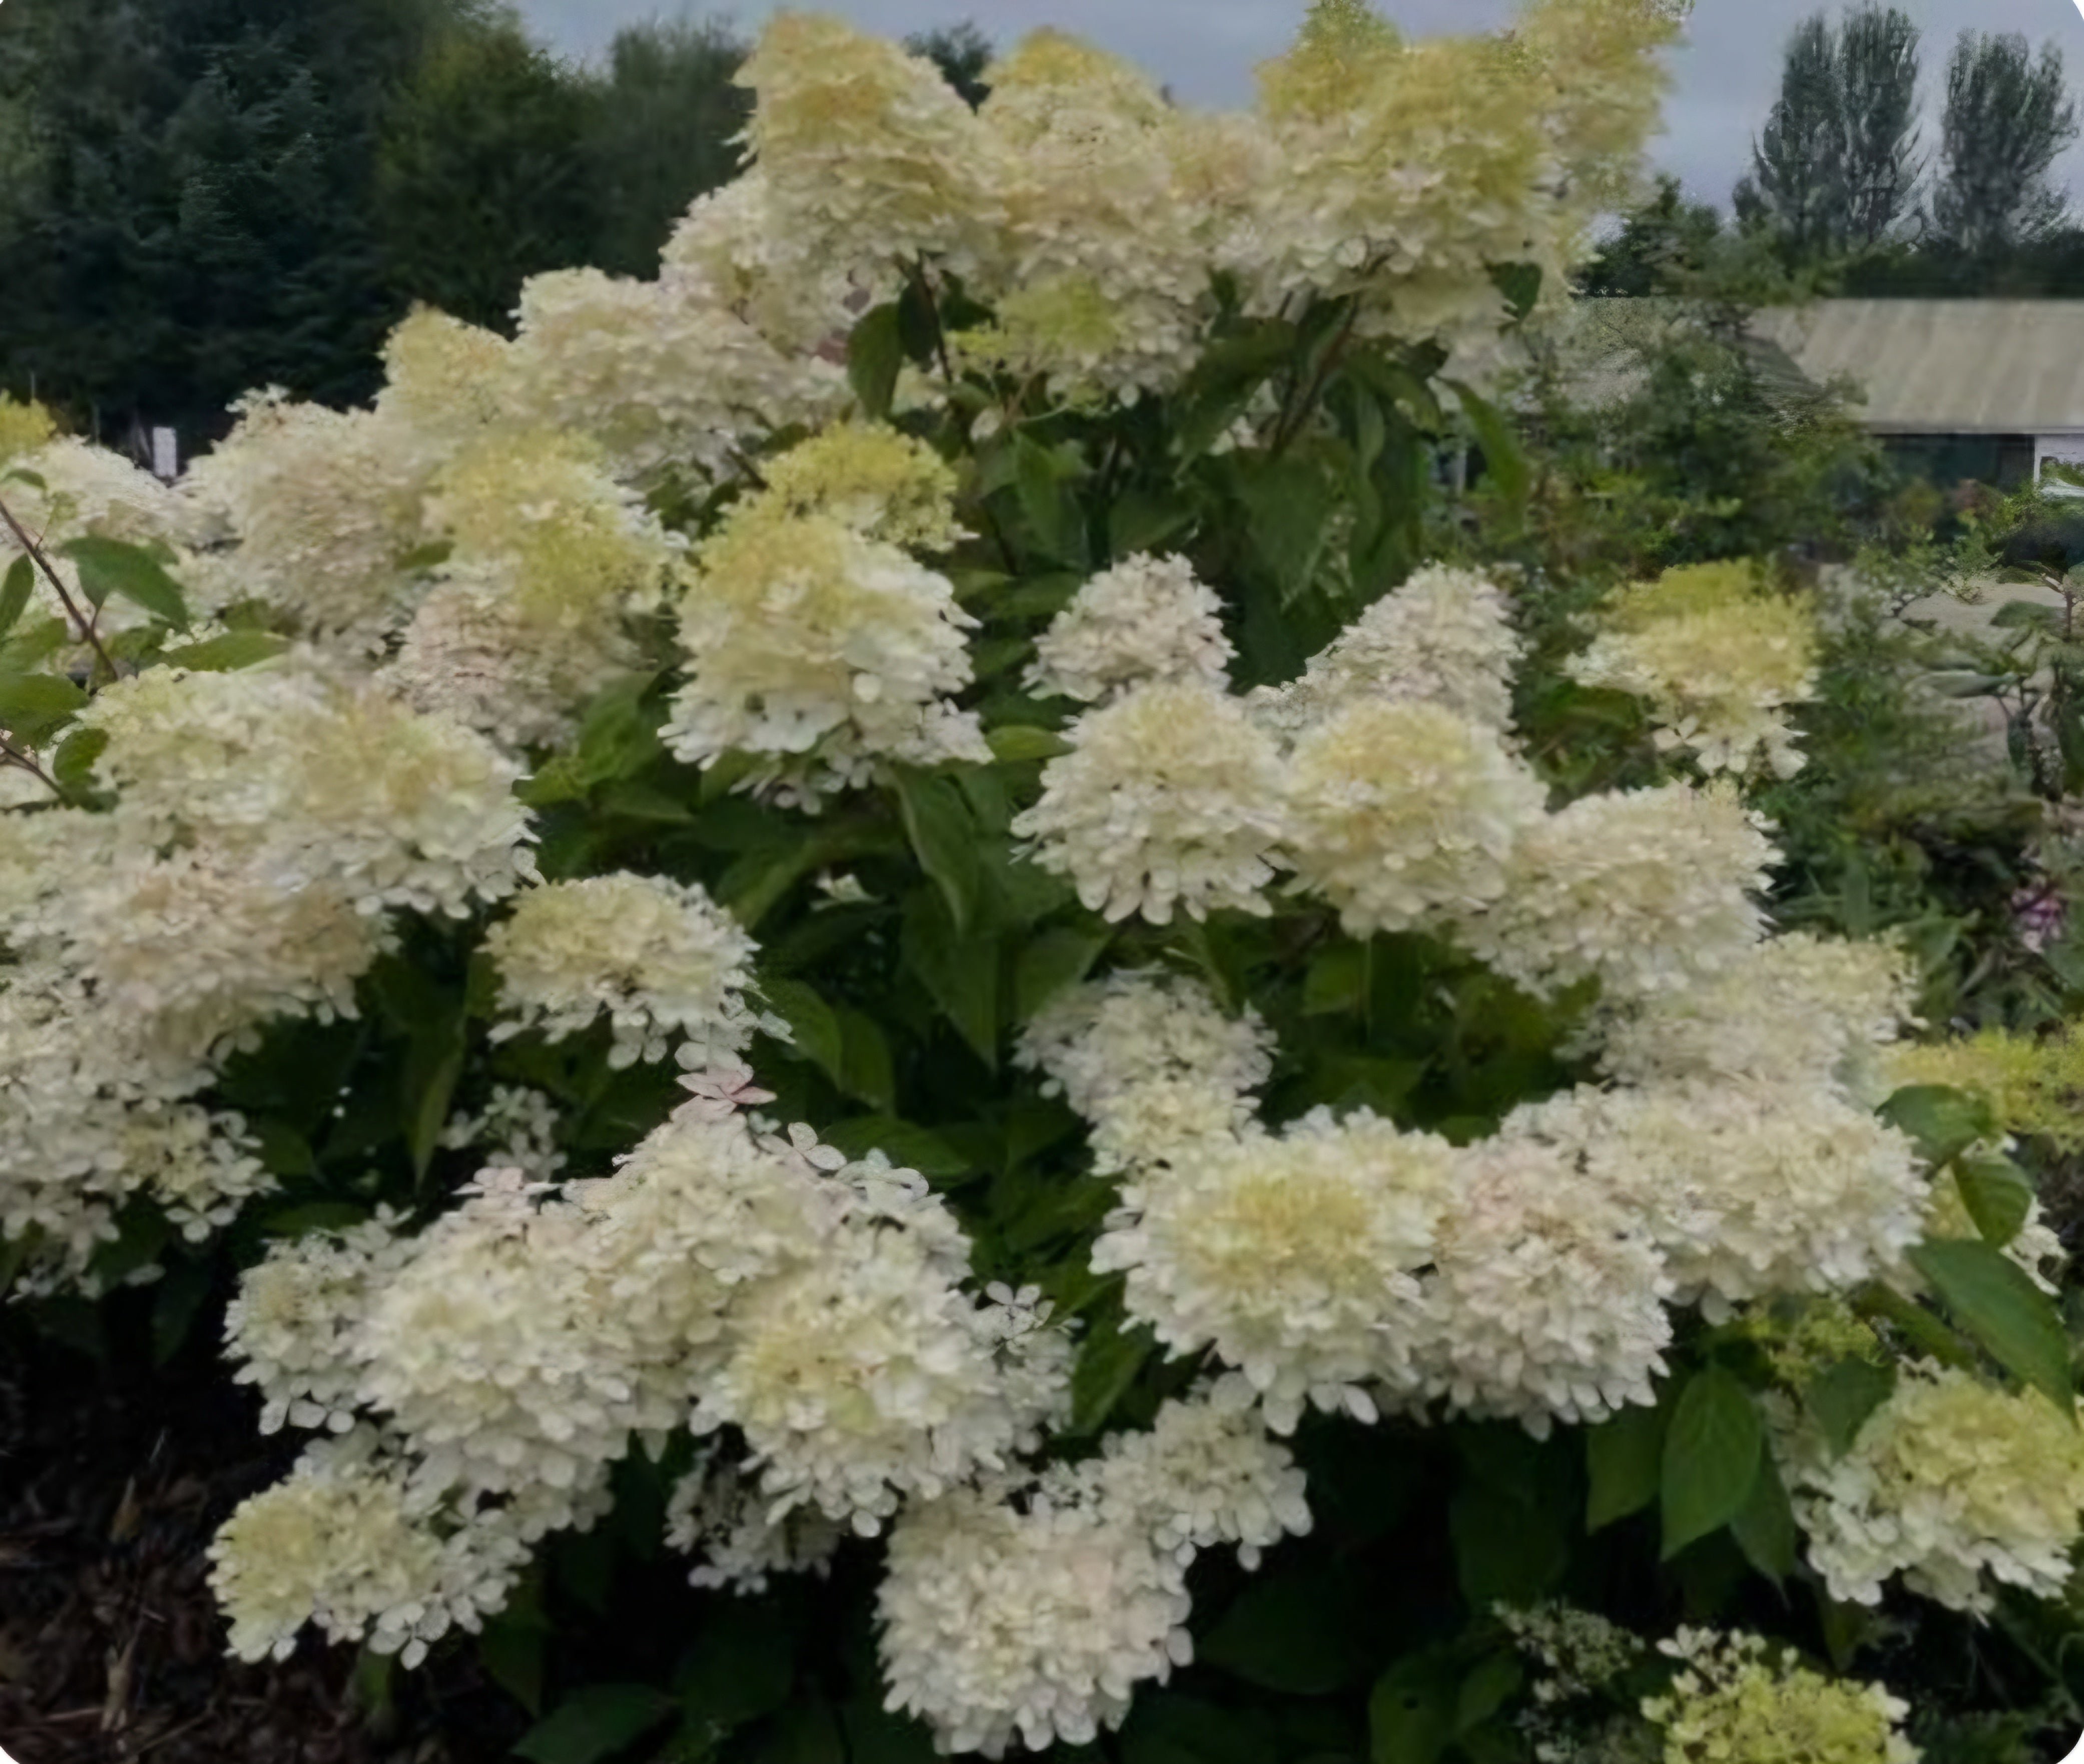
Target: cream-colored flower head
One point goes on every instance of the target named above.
(1956, 1486)
(1733, 1697)
(1171, 799)
(1404, 814)
(656, 958)
(1146, 619)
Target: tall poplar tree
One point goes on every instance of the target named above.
(2008, 117)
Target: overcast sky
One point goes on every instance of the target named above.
(1206, 49)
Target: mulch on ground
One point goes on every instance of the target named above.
(112, 1647)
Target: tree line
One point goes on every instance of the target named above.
(1848, 192)
(202, 196)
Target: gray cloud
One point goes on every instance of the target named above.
(1725, 75)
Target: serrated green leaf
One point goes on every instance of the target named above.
(1503, 456)
(14, 592)
(72, 766)
(1944, 1122)
(740, 1666)
(1995, 1301)
(1998, 1196)
(1288, 503)
(814, 1030)
(109, 567)
(1109, 1358)
(1054, 961)
(1763, 1526)
(227, 654)
(1049, 504)
(875, 352)
(960, 972)
(594, 1723)
(1843, 1396)
(1017, 742)
(1711, 1457)
(944, 835)
(34, 707)
(1624, 1461)
(866, 1071)
(1144, 520)
(1335, 980)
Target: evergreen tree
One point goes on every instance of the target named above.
(191, 218)
(482, 177)
(666, 116)
(2007, 118)
(1660, 244)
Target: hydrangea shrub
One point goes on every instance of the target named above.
(860, 915)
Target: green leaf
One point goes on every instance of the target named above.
(109, 567)
(512, 1647)
(1763, 1526)
(1017, 742)
(1337, 980)
(175, 1305)
(1491, 1684)
(960, 973)
(806, 1732)
(1053, 962)
(430, 1083)
(1051, 508)
(1997, 1196)
(1993, 1298)
(1624, 1459)
(72, 766)
(1412, 1710)
(34, 707)
(1944, 1122)
(740, 1666)
(939, 825)
(1502, 454)
(1520, 283)
(227, 654)
(864, 1066)
(594, 1723)
(1843, 1396)
(1288, 503)
(1296, 1633)
(875, 352)
(1711, 1457)
(814, 1029)
(1109, 1358)
(1506, 1551)
(14, 592)
(1142, 519)
(908, 1146)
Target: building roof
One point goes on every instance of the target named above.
(1944, 366)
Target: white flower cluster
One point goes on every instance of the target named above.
(1719, 657)
(1384, 781)
(1149, 1062)
(503, 1360)
(518, 1126)
(1529, 1276)
(265, 826)
(1147, 619)
(1444, 637)
(1733, 1696)
(656, 958)
(814, 640)
(1031, 1612)
(1953, 1484)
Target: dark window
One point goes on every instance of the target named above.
(2005, 460)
